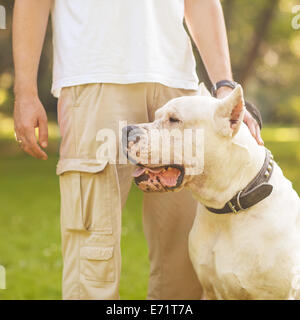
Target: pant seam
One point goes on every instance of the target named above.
(73, 105)
(118, 232)
(79, 265)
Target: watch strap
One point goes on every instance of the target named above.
(222, 83)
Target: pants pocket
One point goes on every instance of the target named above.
(89, 198)
(71, 201)
(97, 263)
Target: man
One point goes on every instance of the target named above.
(115, 60)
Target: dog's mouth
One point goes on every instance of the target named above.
(159, 179)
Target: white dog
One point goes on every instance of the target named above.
(245, 241)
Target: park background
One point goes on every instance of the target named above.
(265, 52)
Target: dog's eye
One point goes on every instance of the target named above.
(172, 119)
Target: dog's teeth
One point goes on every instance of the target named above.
(269, 168)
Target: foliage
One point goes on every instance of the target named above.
(265, 52)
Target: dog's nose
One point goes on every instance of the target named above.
(126, 131)
(131, 133)
(126, 134)
(125, 138)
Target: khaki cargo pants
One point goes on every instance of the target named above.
(93, 194)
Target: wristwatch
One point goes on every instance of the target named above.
(222, 83)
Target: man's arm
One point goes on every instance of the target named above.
(206, 24)
(30, 20)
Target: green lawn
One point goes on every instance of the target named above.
(30, 239)
(29, 221)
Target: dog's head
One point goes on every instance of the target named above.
(171, 151)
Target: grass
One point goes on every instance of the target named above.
(29, 221)
(30, 239)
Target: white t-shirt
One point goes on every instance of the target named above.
(121, 41)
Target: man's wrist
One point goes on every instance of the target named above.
(228, 83)
(25, 90)
(223, 92)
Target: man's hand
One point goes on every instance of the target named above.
(29, 114)
(253, 127)
(30, 20)
(248, 119)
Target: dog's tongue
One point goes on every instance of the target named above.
(167, 178)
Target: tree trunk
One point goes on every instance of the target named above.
(260, 33)
(228, 9)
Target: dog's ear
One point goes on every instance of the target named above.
(202, 90)
(230, 112)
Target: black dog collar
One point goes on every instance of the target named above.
(257, 190)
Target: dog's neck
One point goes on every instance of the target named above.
(228, 170)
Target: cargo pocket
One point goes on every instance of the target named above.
(97, 263)
(89, 195)
(71, 201)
